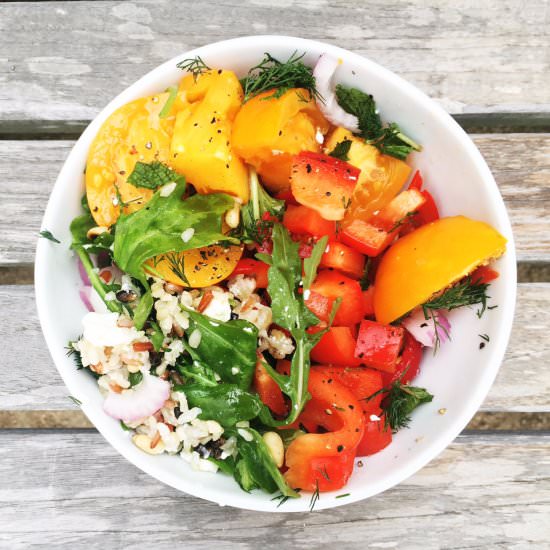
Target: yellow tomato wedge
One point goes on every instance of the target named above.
(429, 260)
(381, 177)
(201, 147)
(268, 131)
(134, 132)
(203, 267)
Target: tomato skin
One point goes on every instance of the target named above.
(339, 256)
(408, 362)
(368, 302)
(323, 183)
(325, 461)
(378, 345)
(377, 436)
(336, 347)
(303, 220)
(333, 285)
(484, 274)
(253, 268)
(268, 390)
(365, 237)
(416, 181)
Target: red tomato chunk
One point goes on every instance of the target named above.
(378, 345)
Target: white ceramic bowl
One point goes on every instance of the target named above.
(459, 376)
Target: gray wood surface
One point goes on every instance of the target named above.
(472, 57)
(31, 381)
(520, 164)
(70, 489)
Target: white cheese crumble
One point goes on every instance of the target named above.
(168, 189)
(101, 329)
(187, 235)
(195, 338)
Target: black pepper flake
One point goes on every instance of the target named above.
(328, 193)
(227, 166)
(196, 124)
(96, 208)
(280, 132)
(219, 71)
(481, 345)
(351, 407)
(210, 140)
(423, 325)
(219, 131)
(308, 168)
(122, 172)
(342, 283)
(213, 120)
(329, 380)
(203, 254)
(340, 448)
(361, 355)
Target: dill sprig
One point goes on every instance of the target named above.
(196, 66)
(177, 265)
(314, 497)
(465, 293)
(74, 353)
(272, 74)
(283, 498)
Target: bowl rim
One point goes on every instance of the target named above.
(491, 364)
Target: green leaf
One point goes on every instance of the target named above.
(157, 228)
(45, 234)
(198, 371)
(224, 403)
(341, 151)
(389, 140)
(135, 378)
(255, 466)
(312, 263)
(169, 102)
(143, 309)
(229, 348)
(156, 336)
(154, 174)
(79, 230)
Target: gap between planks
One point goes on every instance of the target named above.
(473, 123)
(485, 421)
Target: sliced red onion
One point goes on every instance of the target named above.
(141, 401)
(323, 73)
(424, 330)
(85, 297)
(83, 275)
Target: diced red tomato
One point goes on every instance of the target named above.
(417, 181)
(378, 345)
(428, 212)
(377, 436)
(268, 390)
(325, 461)
(484, 274)
(333, 285)
(408, 362)
(287, 196)
(365, 237)
(323, 183)
(302, 220)
(368, 302)
(253, 268)
(342, 257)
(319, 305)
(396, 211)
(336, 347)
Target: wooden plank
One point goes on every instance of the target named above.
(481, 492)
(30, 380)
(520, 163)
(65, 60)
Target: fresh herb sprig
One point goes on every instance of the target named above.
(399, 402)
(45, 234)
(152, 175)
(279, 76)
(196, 66)
(390, 140)
(341, 150)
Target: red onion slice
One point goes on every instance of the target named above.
(424, 330)
(83, 275)
(141, 401)
(323, 73)
(85, 297)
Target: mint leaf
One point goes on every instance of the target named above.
(153, 174)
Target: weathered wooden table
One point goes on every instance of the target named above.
(488, 63)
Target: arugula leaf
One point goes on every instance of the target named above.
(341, 150)
(389, 140)
(173, 92)
(156, 336)
(255, 468)
(197, 371)
(45, 234)
(143, 309)
(79, 231)
(157, 228)
(153, 174)
(224, 403)
(312, 263)
(253, 226)
(291, 313)
(272, 74)
(228, 348)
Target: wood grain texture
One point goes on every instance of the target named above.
(482, 492)
(30, 380)
(520, 164)
(65, 60)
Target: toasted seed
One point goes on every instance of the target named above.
(276, 448)
(171, 288)
(126, 296)
(96, 231)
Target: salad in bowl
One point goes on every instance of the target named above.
(264, 274)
